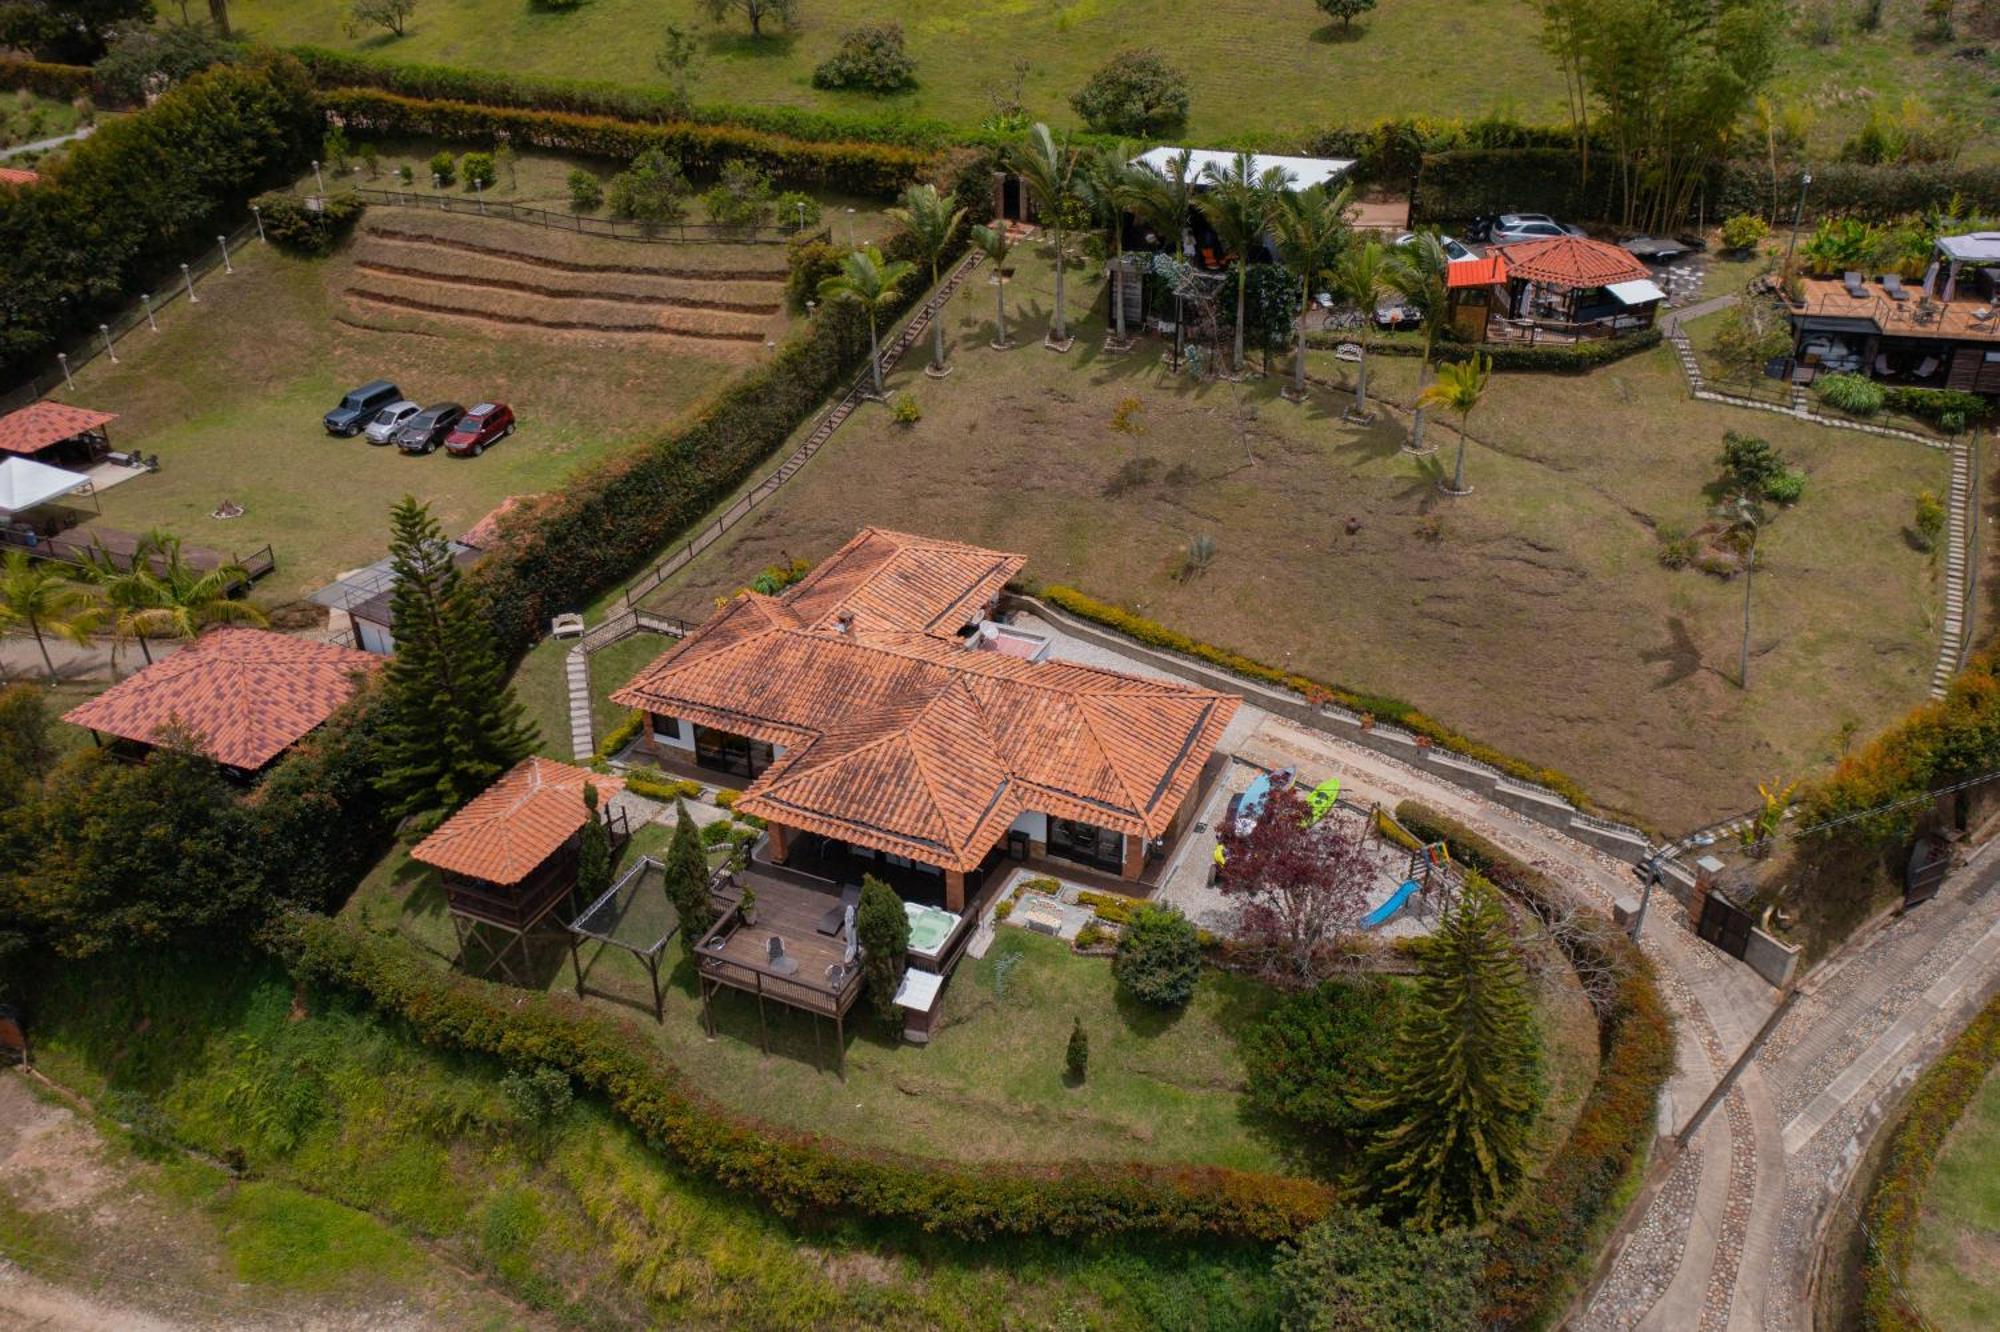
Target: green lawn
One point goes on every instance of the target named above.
(27, 117)
(1252, 66)
(1955, 1273)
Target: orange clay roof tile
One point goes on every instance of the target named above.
(506, 831)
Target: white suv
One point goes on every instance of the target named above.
(389, 419)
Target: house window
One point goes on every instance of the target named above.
(730, 753)
(667, 727)
(1087, 844)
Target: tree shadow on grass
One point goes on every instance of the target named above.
(743, 45)
(1681, 655)
(1148, 1021)
(1337, 34)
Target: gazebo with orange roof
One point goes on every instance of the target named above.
(1574, 287)
(53, 432)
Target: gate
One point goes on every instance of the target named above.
(1724, 924)
(1930, 861)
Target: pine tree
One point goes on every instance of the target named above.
(593, 856)
(1463, 1079)
(687, 879)
(883, 929)
(452, 723)
(1076, 1059)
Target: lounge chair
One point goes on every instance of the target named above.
(1927, 367)
(1882, 364)
(1857, 287)
(831, 922)
(1894, 286)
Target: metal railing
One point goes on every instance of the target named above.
(480, 204)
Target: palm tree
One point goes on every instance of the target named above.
(1237, 204)
(1418, 271)
(932, 220)
(873, 285)
(1113, 183)
(1163, 201)
(1458, 388)
(1311, 226)
(1743, 523)
(179, 600)
(34, 594)
(993, 243)
(1360, 279)
(1049, 171)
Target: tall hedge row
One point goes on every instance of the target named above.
(63, 82)
(796, 1173)
(1896, 1202)
(126, 205)
(849, 165)
(1542, 1248)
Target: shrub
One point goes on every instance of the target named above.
(726, 797)
(1677, 548)
(811, 263)
(1345, 10)
(1076, 1056)
(741, 199)
(313, 232)
(1744, 231)
(1354, 1273)
(1091, 935)
(444, 168)
(1929, 523)
(652, 192)
(1750, 335)
(476, 170)
(1936, 404)
(1786, 487)
(883, 928)
(1857, 395)
(1316, 1057)
(1159, 957)
(62, 82)
(870, 58)
(1135, 92)
(905, 411)
(586, 191)
(1751, 465)
(622, 734)
(796, 210)
(406, 175)
(658, 786)
(144, 59)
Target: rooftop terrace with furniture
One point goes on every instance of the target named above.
(1940, 331)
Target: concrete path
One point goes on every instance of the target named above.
(43, 145)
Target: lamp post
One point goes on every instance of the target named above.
(850, 228)
(104, 331)
(319, 179)
(223, 241)
(802, 214)
(1798, 216)
(147, 297)
(258, 213)
(188, 278)
(62, 359)
(479, 195)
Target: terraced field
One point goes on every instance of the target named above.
(722, 301)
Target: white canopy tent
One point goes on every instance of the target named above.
(25, 483)
(1305, 172)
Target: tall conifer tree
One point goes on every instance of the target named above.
(452, 722)
(1462, 1091)
(686, 871)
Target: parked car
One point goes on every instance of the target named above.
(428, 428)
(1457, 251)
(360, 406)
(1509, 228)
(1394, 312)
(483, 425)
(383, 428)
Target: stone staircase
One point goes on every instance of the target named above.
(1957, 571)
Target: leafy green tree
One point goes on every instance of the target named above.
(1076, 1056)
(1164, 201)
(34, 596)
(1115, 187)
(1345, 10)
(865, 280)
(758, 12)
(870, 58)
(451, 723)
(71, 31)
(1049, 170)
(586, 192)
(993, 243)
(1464, 1073)
(392, 15)
(1317, 1057)
(1418, 270)
(1135, 92)
(652, 192)
(158, 594)
(1238, 205)
(1361, 279)
(27, 746)
(679, 58)
(1354, 1273)
(593, 852)
(1459, 387)
(686, 873)
(147, 59)
(882, 928)
(1159, 957)
(1312, 231)
(931, 221)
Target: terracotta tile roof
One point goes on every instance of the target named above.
(1489, 270)
(19, 176)
(892, 580)
(506, 831)
(249, 693)
(903, 739)
(41, 424)
(1573, 261)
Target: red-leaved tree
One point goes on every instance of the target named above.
(1303, 885)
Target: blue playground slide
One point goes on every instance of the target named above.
(1397, 901)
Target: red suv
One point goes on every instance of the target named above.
(486, 423)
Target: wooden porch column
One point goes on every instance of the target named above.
(954, 890)
(781, 842)
(1135, 856)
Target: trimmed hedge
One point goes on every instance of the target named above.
(1542, 1249)
(795, 1173)
(1154, 634)
(1856, 189)
(312, 232)
(1472, 182)
(64, 82)
(852, 166)
(1896, 1202)
(1554, 358)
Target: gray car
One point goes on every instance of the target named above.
(1511, 227)
(383, 428)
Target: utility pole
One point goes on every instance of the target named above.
(1798, 217)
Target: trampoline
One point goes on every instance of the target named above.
(634, 914)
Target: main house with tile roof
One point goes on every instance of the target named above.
(882, 717)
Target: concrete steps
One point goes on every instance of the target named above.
(1957, 571)
(576, 670)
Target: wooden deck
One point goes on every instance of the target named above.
(77, 545)
(738, 955)
(1827, 298)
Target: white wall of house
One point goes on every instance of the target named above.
(1034, 823)
(372, 637)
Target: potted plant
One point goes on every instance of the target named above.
(1367, 721)
(747, 905)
